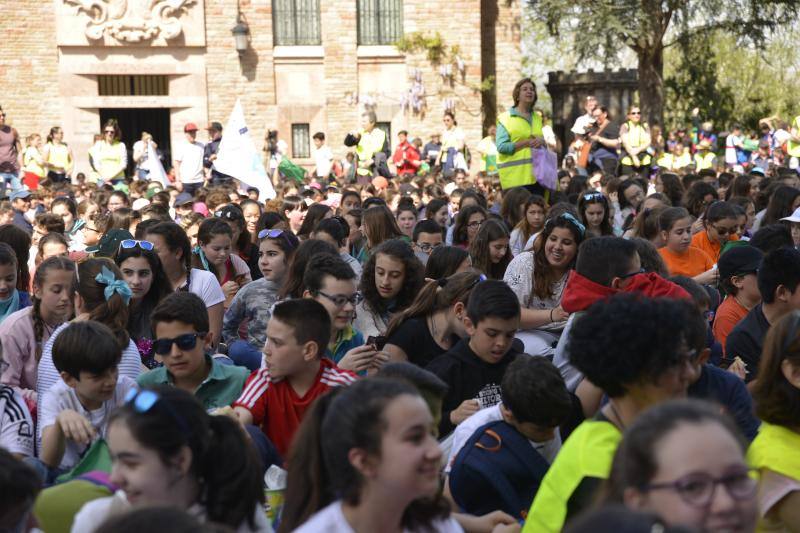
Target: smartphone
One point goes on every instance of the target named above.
(379, 341)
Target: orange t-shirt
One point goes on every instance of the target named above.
(690, 263)
(701, 241)
(729, 313)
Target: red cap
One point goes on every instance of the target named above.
(191, 126)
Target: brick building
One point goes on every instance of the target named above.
(310, 65)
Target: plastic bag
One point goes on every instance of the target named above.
(544, 165)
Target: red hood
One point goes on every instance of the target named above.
(582, 292)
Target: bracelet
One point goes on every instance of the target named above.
(551, 314)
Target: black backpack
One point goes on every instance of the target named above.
(497, 469)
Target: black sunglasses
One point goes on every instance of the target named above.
(187, 341)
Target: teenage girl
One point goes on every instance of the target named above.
(142, 271)
(254, 302)
(468, 223)
(213, 253)
(407, 218)
(720, 225)
(167, 451)
(24, 332)
(11, 299)
(490, 250)
(377, 469)
(241, 243)
(103, 296)
(433, 323)
(681, 258)
(531, 224)
(594, 213)
(18, 255)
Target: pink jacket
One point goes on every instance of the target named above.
(19, 351)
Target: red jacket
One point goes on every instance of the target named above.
(581, 292)
(409, 152)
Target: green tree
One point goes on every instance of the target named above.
(602, 28)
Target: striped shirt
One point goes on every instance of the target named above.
(277, 408)
(16, 425)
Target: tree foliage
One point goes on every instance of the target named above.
(602, 28)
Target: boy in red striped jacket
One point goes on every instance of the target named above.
(276, 397)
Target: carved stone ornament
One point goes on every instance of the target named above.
(133, 21)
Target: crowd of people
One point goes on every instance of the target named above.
(406, 346)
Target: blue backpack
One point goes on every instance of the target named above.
(497, 469)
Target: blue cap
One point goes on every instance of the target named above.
(23, 193)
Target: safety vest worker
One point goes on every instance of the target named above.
(637, 137)
(793, 148)
(515, 167)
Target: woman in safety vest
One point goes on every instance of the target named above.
(518, 130)
(635, 138)
(111, 157)
(775, 452)
(57, 156)
(636, 367)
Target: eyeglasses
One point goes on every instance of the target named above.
(87, 226)
(131, 243)
(725, 231)
(592, 196)
(698, 489)
(476, 224)
(626, 276)
(340, 300)
(142, 401)
(187, 341)
(428, 247)
(229, 214)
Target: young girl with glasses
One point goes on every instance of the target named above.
(468, 223)
(141, 269)
(685, 461)
(254, 302)
(167, 451)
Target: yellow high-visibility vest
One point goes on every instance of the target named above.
(704, 160)
(516, 169)
(793, 148)
(370, 144)
(636, 138)
(587, 453)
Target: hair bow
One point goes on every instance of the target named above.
(203, 259)
(113, 285)
(575, 221)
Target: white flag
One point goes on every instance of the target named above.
(237, 156)
(153, 164)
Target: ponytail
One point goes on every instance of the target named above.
(39, 279)
(308, 486)
(111, 310)
(232, 485)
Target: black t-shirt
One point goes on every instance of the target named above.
(747, 339)
(414, 337)
(599, 151)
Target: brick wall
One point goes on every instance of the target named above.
(29, 65)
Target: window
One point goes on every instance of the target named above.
(301, 141)
(387, 129)
(140, 85)
(380, 21)
(296, 22)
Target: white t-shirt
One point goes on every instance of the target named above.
(547, 449)
(731, 142)
(331, 520)
(190, 158)
(205, 285)
(323, 159)
(61, 397)
(16, 424)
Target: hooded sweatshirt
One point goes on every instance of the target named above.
(581, 292)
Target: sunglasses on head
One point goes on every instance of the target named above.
(592, 196)
(275, 234)
(132, 243)
(187, 341)
(143, 401)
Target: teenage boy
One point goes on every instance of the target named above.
(474, 367)
(331, 282)
(323, 156)
(535, 401)
(180, 324)
(738, 276)
(16, 424)
(21, 203)
(428, 236)
(75, 411)
(778, 280)
(296, 373)
(605, 266)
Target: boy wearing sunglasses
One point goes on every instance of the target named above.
(180, 325)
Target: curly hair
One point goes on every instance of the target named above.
(627, 340)
(413, 277)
